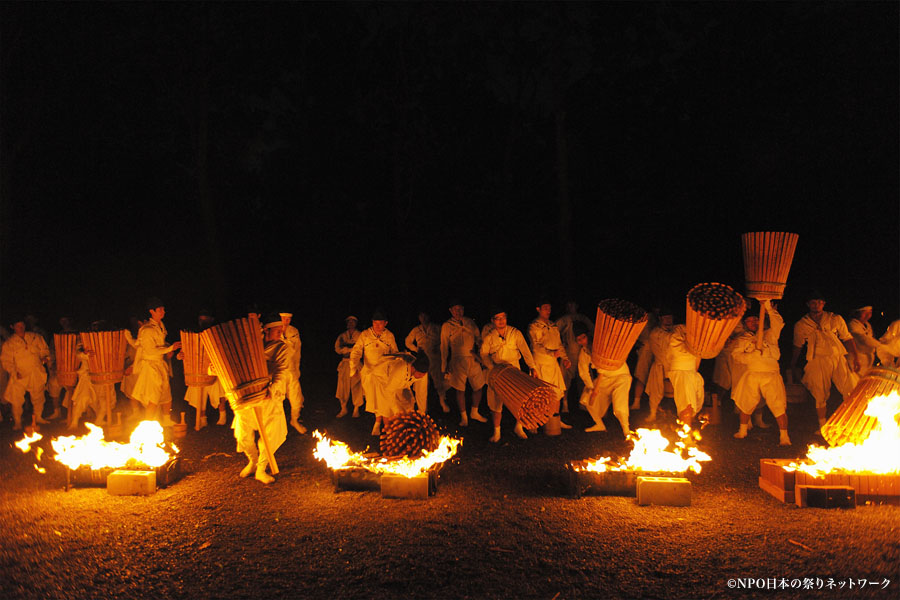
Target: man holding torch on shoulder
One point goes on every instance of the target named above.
(272, 408)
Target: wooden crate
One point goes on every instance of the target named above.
(781, 483)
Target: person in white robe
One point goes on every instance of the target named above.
(294, 391)
(401, 390)
(246, 424)
(23, 357)
(889, 352)
(609, 386)
(547, 349)
(566, 333)
(198, 396)
(658, 341)
(84, 396)
(460, 361)
(426, 337)
(761, 376)
(827, 340)
(347, 386)
(504, 344)
(368, 358)
(687, 383)
(866, 343)
(152, 388)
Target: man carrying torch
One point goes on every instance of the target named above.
(270, 416)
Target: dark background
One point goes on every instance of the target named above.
(329, 158)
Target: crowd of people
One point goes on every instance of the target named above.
(375, 375)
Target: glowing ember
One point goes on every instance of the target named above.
(651, 454)
(146, 447)
(25, 443)
(337, 455)
(879, 454)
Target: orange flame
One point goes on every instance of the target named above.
(146, 447)
(878, 454)
(650, 453)
(337, 455)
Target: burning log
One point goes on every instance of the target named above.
(196, 361)
(409, 434)
(65, 346)
(354, 470)
(618, 325)
(871, 468)
(530, 400)
(713, 311)
(767, 261)
(850, 423)
(650, 456)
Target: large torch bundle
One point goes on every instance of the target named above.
(409, 434)
(235, 350)
(236, 353)
(196, 361)
(530, 400)
(713, 311)
(619, 323)
(106, 355)
(849, 423)
(65, 346)
(767, 261)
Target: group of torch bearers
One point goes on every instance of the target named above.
(374, 374)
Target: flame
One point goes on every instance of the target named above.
(144, 448)
(25, 443)
(650, 454)
(337, 455)
(878, 454)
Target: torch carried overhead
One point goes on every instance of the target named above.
(767, 261)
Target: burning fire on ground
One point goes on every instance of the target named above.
(337, 455)
(651, 453)
(879, 454)
(146, 447)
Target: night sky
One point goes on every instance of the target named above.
(330, 158)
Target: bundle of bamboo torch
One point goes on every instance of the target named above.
(618, 325)
(530, 400)
(196, 361)
(235, 350)
(767, 261)
(849, 423)
(65, 347)
(106, 355)
(409, 434)
(713, 311)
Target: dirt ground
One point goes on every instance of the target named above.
(500, 526)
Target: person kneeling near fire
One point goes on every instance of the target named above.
(762, 375)
(607, 387)
(273, 423)
(403, 372)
